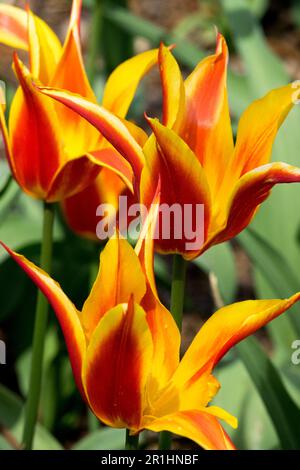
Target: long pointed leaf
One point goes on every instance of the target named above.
(283, 412)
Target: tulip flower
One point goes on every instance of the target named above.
(54, 153)
(80, 209)
(124, 348)
(192, 154)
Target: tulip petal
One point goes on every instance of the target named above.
(44, 48)
(66, 312)
(70, 75)
(118, 262)
(250, 191)
(223, 330)
(116, 368)
(115, 180)
(138, 133)
(22, 29)
(145, 245)
(122, 84)
(78, 173)
(172, 87)
(183, 185)
(258, 127)
(165, 334)
(255, 137)
(110, 159)
(199, 426)
(224, 415)
(80, 209)
(36, 142)
(166, 345)
(71, 178)
(207, 127)
(13, 27)
(110, 126)
(75, 15)
(6, 141)
(198, 392)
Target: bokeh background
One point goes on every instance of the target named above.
(260, 384)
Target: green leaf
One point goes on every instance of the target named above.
(49, 387)
(282, 410)
(12, 419)
(258, 7)
(279, 281)
(5, 176)
(291, 377)
(9, 302)
(24, 361)
(264, 70)
(255, 429)
(270, 261)
(21, 220)
(8, 200)
(220, 260)
(49, 395)
(273, 266)
(116, 42)
(20, 226)
(102, 439)
(239, 94)
(185, 51)
(191, 22)
(296, 12)
(88, 3)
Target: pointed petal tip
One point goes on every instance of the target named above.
(19, 67)
(154, 123)
(234, 423)
(6, 247)
(217, 32)
(223, 415)
(294, 298)
(149, 119)
(11, 252)
(163, 49)
(163, 46)
(75, 13)
(221, 45)
(231, 420)
(16, 58)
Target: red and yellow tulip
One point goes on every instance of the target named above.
(80, 210)
(54, 153)
(124, 348)
(192, 154)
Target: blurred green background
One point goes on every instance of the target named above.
(260, 384)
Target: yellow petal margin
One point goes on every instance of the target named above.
(224, 329)
(65, 310)
(199, 426)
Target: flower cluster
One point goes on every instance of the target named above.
(62, 146)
